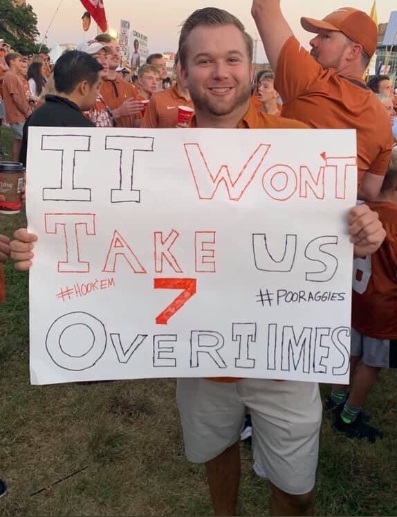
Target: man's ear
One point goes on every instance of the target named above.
(83, 88)
(355, 52)
(183, 76)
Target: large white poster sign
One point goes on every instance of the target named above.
(189, 253)
(124, 41)
(139, 50)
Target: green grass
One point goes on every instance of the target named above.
(115, 448)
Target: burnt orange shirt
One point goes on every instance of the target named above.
(254, 119)
(13, 85)
(114, 93)
(162, 110)
(256, 102)
(324, 99)
(374, 302)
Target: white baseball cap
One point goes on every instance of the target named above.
(93, 46)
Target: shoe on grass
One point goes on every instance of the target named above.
(357, 429)
(3, 488)
(331, 408)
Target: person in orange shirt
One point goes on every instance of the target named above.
(158, 61)
(117, 94)
(162, 110)
(99, 114)
(216, 55)
(16, 104)
(268, 95)
(374, 322)
(325, 88)
(148, 81)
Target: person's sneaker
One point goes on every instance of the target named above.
(331, 408)
(357, 429)
(3, 488)
(246, 433)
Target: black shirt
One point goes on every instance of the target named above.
(55, 112)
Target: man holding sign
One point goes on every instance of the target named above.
(216, 56)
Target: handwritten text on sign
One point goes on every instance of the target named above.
(171, 253)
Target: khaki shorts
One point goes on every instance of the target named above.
(286, 419)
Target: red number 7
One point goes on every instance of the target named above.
(189, 289)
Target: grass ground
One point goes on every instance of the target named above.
(115, 448)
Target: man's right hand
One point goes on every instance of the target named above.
(22, 249)
(129, 107)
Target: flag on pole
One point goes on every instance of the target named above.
(97, 11)
(374, 14)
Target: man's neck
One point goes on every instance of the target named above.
(71, 98)
(351, 70)
(271, 107)
(230, 121)
(144, 94)
(112, 75)
(182, 92)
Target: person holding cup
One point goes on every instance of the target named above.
(148, 81)
(170, 108)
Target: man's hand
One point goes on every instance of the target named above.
(4, 248)
(272, 27)
(366, 231)
(22, 249)
(129, 107)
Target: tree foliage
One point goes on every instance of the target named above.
(18, 27)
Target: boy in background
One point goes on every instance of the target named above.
(374, 316)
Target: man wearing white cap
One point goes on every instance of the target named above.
(324, 88)
(99, 114)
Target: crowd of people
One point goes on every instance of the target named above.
(323, 88)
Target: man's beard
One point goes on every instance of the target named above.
(202, 104)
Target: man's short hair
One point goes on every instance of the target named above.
(12, 56)
(210, 17)
(265, 74)
(150, 58)
(72, 68)
(105, 38)
(147, 69)
(375, 81)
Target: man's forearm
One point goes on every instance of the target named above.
(273, 28)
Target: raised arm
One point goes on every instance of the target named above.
(272, 27)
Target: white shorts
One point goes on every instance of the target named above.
(286, 420)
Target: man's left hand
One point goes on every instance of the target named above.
(366, 231)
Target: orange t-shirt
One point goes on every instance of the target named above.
(2, 285)
(162, 110)
(114, 92)
(374, 303)
(256, 102)
(324, 99)
(254, 119)
(13, 85)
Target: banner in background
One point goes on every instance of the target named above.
(96, 9)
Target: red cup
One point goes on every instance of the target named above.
(145, 103)
(184, 114)
(11, 187)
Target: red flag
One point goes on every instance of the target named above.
(97, 11)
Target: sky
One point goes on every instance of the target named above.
(160, 21)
